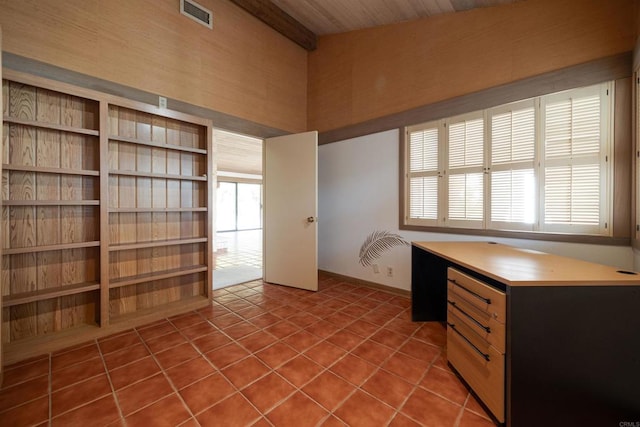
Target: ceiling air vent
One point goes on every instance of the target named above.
(194, 11)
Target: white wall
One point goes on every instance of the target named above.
(358, 193)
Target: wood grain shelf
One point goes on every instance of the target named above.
(155, 244)
(156, 210)
(141, 278)
(63, 246)
(42, 169)
(157, 144)
(44, 294)
(51, 126)
(165, 310)
(158, 175)
(51, 202)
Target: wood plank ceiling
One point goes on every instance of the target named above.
(238, 154)
(304, 20)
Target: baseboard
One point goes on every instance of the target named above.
(366, 283)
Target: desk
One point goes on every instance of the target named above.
(572, 354)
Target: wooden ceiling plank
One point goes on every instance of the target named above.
(280, 21)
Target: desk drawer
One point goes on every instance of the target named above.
(485, 377)
(484, 325)
(483, 297)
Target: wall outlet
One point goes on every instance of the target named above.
(376, 270)
(162, 102)
(389, 271)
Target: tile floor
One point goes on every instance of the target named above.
(239, 248)
(261, 355)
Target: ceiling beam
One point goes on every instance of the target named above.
(280, 21)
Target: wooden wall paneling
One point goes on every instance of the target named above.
(108, 200)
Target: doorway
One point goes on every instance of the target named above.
(238, 222)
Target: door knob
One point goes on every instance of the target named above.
(311, 219)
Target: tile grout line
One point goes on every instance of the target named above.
(108, 374)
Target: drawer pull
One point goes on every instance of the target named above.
(484, 355)
(480, 297)
(470, 317)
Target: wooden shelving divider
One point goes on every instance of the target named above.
(106, 214)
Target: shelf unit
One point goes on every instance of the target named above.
(105, 214)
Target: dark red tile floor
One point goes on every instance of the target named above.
(261, 355)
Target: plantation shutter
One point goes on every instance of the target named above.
(575, 140)
(423, 176)
(465, 171)
(512, 139)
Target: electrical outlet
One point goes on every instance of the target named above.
(389, 271)
(162, 102)
(375, 268)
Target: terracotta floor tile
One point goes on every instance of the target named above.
(162, 328)
(401, 420)
(246, 371)
(165, 342)
(377, 318)
(211, 341)
(369, 303)
(213, 311)
(24, 392)
(268, 391)
(79, 394)
(176, 355)
(388, 388)
(143, 393)
(75, 373)
(250, 312)
(301, 340)
(420, 350)
(198, 330)
(171, 407)
(446, 385)
(345, 339)
(30, 413)
(125, 356)
(333, 422)
(240, 330)
(226, 355)
(264, 320)
(133, 372)
(325, 353)
(189, 372)
(406, 367)
(233, 411)
(388, 338)
(282, 329)
(473, 406)
(390, 310)
(340, 319)
(100, 412)
(119, 342)
(299, 370)
(303, 319)
(433, 333)
(336, 304)
(69, 358)
(276, 355)
(355, 310)
(257, 341)
(16, 374)
(321, 311)
(206, 392)
(284, 311)
(323, 329)
(184, 321)
(430, 409)
(238, 304)
(298, 410)
(191, 422)
(329, 390)
(353, 369)
(372, 352)
(469, 419)
(363, 410)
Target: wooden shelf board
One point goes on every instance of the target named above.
(51, 126)
(160, 275)
(14, 251)
(162, 311)
(156, 144)
(43, 294)
(43, 169)
(158, 175)
(51, 202)
(154, 210)
(154, 244)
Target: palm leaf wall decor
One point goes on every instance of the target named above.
(377, 243)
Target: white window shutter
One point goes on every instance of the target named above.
(423, 147)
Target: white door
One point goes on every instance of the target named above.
(290, 179)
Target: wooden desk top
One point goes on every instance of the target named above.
(523, 267)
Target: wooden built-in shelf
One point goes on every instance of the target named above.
(167, 274)
(51, 202)
(157, 144)
(166, 310)
(154, 244)
(51, 126)
(159, 175)
(42, 169)
(32, 249)
(156, 210)
(44, 294)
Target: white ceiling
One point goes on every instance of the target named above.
(337, 16)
